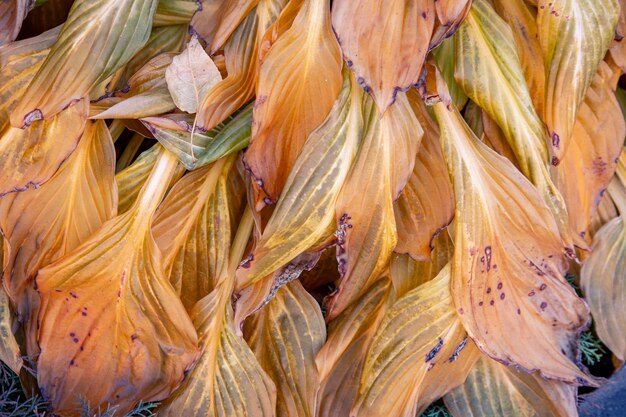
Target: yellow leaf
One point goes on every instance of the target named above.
(304, 214)
(299, 79)
(426, 204)
(190, 76)
(489, 71)
(340, 361)
(574, 36)
(595, 145)
(112, 328)
(450, 14)
(419, 332)
(366, 228)
(110, 30)
(232, 13)
(492, 389)
(508, 265)
(175, 12)
(385, 44)
(285, 336)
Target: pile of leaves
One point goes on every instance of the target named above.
(302, 209)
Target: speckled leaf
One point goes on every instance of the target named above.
(508, 266)
(112, 328)
(71, 206)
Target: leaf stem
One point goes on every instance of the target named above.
(156, 185)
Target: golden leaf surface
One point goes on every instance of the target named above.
(597, 139)
(112, 328)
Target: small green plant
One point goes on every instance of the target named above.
(591, 348)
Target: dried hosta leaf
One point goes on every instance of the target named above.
(522, 20)
(112, 328)
(205, 21)
(12, 14)
(109, 30)
(147, 94)
(232, 13)
(595, 145)
(420, 331)
(304, 213)
(190, 76)
(29, 157)
(407, 273)
(192, 230)
(445, 57)
(508, 265)
(574, 37)
(227, 381)
(299, 80)
(603, 280)
(280, 26)
(9, 349)
(385, 43)
(196, 149)
(71, 206)
(131, 179)
(285, 336)
(340, 361)
(493, 389)
(366, 227)
(489, 71)
(426, 204)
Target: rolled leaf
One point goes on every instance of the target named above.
(110, 30)
(603, 281)
(12, 14)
